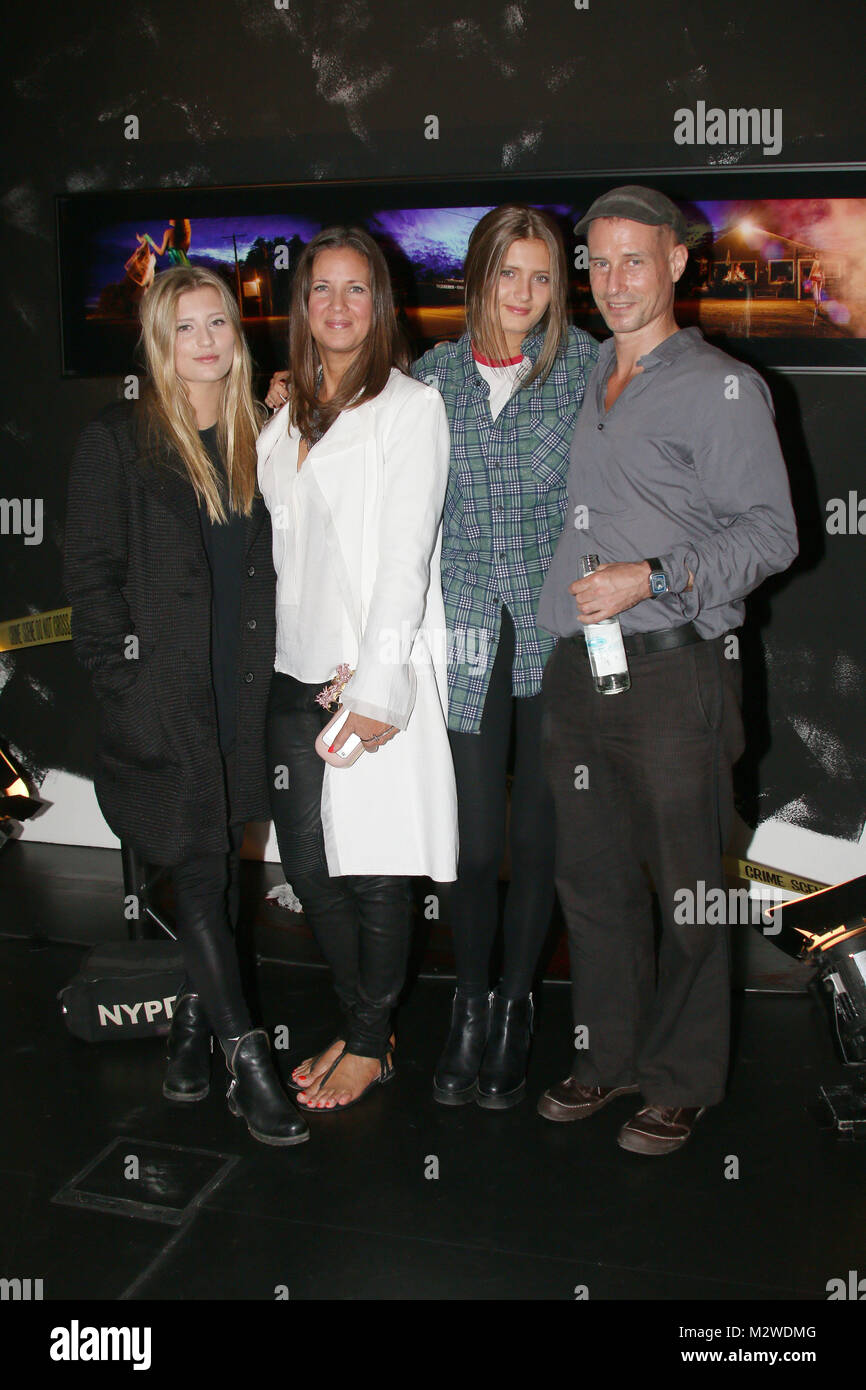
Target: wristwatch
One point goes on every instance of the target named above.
(659, 582)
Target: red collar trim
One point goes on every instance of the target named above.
(492, 362)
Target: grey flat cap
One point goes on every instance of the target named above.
(638, 204)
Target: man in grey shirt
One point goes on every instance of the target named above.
(678, 484)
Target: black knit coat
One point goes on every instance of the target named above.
(137, 577)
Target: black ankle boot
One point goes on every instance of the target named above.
(187, 1076)
(455, 1078)
(502, 1078)
(255, 1092)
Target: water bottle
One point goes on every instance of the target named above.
(605, 646)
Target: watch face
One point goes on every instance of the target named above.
(658, 583)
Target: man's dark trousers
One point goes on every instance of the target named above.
(658, 797)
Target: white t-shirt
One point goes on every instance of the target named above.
(501, 380)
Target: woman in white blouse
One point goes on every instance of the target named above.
(353, 469)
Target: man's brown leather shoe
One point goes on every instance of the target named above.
(571, 1100)
(659, 1129)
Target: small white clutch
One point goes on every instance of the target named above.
(351, 749)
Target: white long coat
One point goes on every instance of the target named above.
(380, 474)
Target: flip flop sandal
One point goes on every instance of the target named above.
(295, 1085)
(386, 1071)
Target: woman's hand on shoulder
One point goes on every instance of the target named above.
(372, 733)
(278, 391)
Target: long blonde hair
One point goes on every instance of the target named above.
(167, 407)
(488, 244)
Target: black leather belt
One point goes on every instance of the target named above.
(643, 643)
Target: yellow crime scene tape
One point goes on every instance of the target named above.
(36, 629)
(749, 872)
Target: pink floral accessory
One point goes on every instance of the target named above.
(331, 693)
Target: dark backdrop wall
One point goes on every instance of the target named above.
(250, 91)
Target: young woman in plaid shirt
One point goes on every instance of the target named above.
(512, 387)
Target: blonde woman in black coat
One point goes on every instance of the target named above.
(168, 569)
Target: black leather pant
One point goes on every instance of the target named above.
(206, 898)
(361, 922)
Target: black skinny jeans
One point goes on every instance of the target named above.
(360, 922)
(207, 898)
(480, 766)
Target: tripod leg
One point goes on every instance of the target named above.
(132, 888)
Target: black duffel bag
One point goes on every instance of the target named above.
(124, 989)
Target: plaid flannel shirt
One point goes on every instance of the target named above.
(504, 510)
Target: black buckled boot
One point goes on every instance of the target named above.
(456, 1076)
(255, 1092)
(502, 1078)
(187, 1076)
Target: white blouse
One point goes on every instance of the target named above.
(313, 636)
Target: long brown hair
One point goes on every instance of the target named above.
(382, 349)
(488, 244)
(169, 415)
